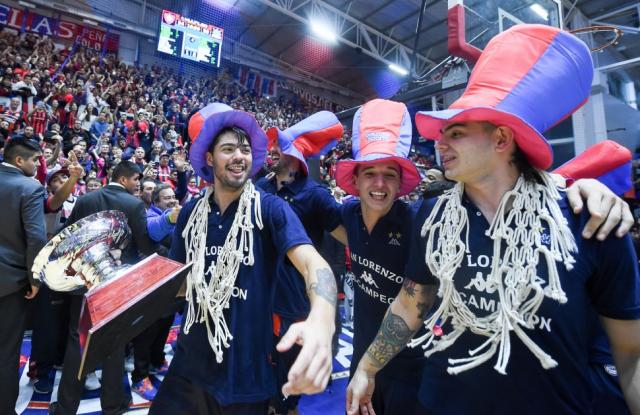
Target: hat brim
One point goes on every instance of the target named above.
(345, 170)
(210, 129)
(529, 140)
(279, 138)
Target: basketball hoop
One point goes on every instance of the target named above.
(596, 29)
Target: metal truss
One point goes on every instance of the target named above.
(353, 32)
(603, 18)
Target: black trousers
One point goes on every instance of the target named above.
(50, 327)
(396, 396)
(148, 348)
(112, 395)
(178, 396)
(14, 307)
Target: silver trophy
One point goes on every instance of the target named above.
(84, 254)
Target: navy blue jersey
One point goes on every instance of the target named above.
(605, 275)
(246, 374)
(377, 263)
(318, 211)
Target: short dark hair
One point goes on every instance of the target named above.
(240, 134)
(21, 147)
(125, 169)
(155, 196)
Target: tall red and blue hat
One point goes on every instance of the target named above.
(310, 138)
(381, 132)
(529, 78)
(607, 161)
(205, 125)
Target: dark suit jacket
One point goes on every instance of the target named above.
(22, 229)
(114, 197)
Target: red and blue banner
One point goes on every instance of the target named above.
(24, 20)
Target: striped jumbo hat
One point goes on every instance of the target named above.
(528, 78)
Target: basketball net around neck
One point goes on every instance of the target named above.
(211, 298)
(523, 214)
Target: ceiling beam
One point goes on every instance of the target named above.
(352, 32)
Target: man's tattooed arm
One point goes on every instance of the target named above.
(324, 286)
(402, 320)
(391, 338)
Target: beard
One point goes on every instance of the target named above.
(230, 181)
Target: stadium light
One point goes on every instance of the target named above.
(91, 22)
(323, 30)
(398, 69)
(27, 4)
(540, 11)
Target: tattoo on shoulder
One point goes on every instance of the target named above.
(390, 340)
(325, 286)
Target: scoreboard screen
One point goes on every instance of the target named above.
(189, 39)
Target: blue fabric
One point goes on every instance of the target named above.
(605, 274)
(158, 224)
(377, 262)
(246, 374)
(527, 98)
(618, 179)
(97, 129)
(319, 212)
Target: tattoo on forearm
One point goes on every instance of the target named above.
(390, 340)
(325, 286)
(409, 287)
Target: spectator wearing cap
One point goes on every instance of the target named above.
(22, 238)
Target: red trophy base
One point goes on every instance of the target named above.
(121, 308)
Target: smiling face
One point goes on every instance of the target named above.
(378, 185)
(231, 161)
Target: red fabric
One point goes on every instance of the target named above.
(164, 174)
(595, 161)
(311, 143)
(41, 172)
(457, 42)
(39, 122)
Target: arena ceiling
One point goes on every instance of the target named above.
(272, 27)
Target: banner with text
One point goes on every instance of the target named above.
(59, 29)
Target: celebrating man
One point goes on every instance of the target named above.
(515, 280)
(235, 236)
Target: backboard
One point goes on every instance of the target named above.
(472, 23)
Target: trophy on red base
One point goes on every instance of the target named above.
(121, 301)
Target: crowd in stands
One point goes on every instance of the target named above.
(75, 100)
(104, 111)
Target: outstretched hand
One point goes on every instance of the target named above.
(311, 371)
